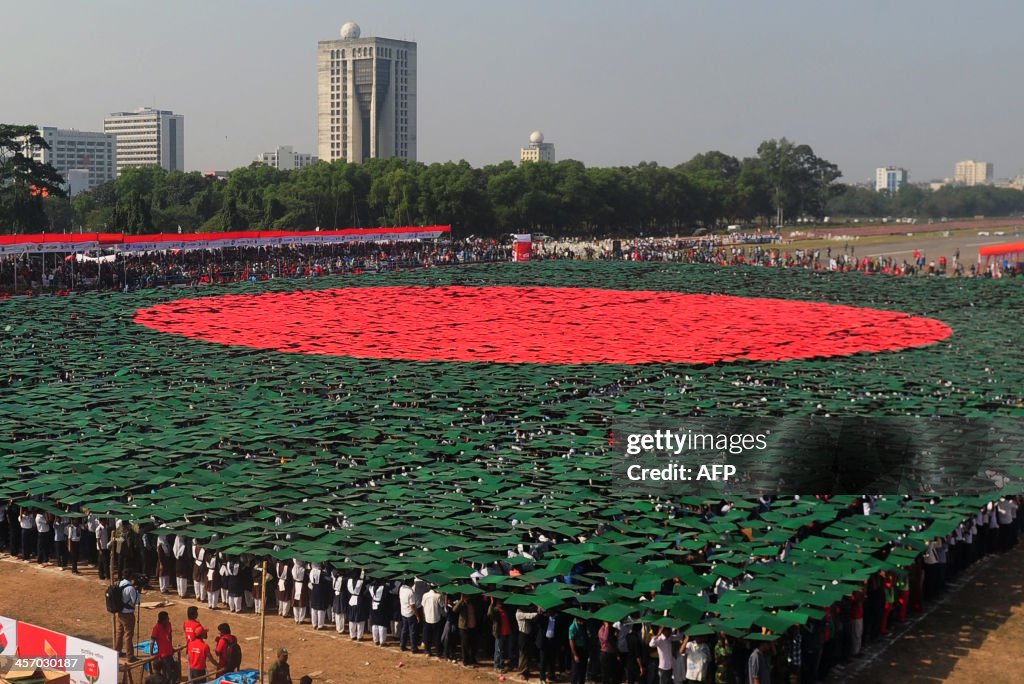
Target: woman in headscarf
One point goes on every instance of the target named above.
(118, 544)
(300, 591)
(358, 606)
(235, 583)
(182, 564)
(213, 582)
(380, 611)
(164, 563)
(340, 600)
(284, 588)
(317, 608)
(199, 570)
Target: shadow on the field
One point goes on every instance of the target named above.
(957, 629)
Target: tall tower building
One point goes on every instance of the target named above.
(366, 97)
(148, 137)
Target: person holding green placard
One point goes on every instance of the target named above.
(759, 666)
(525, 620)
(608, 640)
(724, 671)
(698, 659)
(662, 642)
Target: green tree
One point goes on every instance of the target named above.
(800, 181)
(24, 182)
(135, 189)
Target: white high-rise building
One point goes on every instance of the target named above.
(366, 97)
(970, 172)
(72, 150)
(537, 150)
(890, 178)
(148, 137)
(285, 159)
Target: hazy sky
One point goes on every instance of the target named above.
(918, 84)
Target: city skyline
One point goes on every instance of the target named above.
(661, 82)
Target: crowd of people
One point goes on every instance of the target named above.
(475, 628)
(134, 271)
(126, 272)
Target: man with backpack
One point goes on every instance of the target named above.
(229, 653)
(122, 599)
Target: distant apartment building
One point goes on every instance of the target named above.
(537, 150)
(148, 137)
(285, 159)
(890, 178)
(91, 154)
(970, 172)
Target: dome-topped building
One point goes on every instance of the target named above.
(366, 97)
(350, 30)
(537, 150)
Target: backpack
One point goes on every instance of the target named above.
(114, 597)
(233, 656)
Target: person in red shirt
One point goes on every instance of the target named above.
(162, 646)
(191, 624)
(198, 655)
(225, 641)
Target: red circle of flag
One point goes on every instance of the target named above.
(540, 325)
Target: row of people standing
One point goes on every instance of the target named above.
(115, 547)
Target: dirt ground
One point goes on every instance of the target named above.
(973, 635)
(47, 597)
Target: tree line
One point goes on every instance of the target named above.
(952, 201)
(783, 180)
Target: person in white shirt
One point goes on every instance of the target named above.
(102, 549)
(407, 607)
(698, 659)
(662, 642)
(73, 532)
(433, 606)
(27, 521)
(60, 541)
(43, 536)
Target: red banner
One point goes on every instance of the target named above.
(523, 248)
(36, 642)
